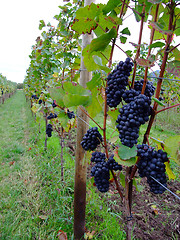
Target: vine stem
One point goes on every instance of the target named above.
(164, 109)
(149, 50)
(106, 107)
(139, 45)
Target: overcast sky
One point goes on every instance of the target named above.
(19, 22)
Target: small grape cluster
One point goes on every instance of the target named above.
(51, 115)
(129, 95)
(54, 104)
(117, 81)
(100, 171)
(91, 139)
(113, 165)
(149, 90)
(35, 97)
(131, 117)
(40, 101)
(70, 114)
(49, 130)
(151, 164)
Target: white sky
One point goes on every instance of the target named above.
(19, 22)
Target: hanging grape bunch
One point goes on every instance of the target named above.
(131, 117)
(151, 164)
(49, 130)
(100, 171)
(91, 139)
(117, 81)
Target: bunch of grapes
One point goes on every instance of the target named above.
(49, 130)
(98, 157)
(129, 95)
(70, 114)
(40, 101)
(113, 165)
(117, 82)
(101, 175)
(91, 139)
(51, 115)
(100, 171)
(54, 104)
(151, 164)
(131, 117)
(35, 97)
(149, 90)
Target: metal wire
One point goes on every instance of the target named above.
(83, 120)
(160, 78)
(165, 188)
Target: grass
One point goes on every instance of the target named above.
(34, 202)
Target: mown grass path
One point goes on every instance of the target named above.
(18, 196)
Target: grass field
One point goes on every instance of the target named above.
(34, 202)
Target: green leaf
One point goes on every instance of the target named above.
(172, 147)
(85, 18)
(123, 39)
(157, 101)
(71, 100)
(110, 6)
(155, 1)
(57, 94)
(76, 95)
(100, 43)
(138, 187)
(126, 31)
(95, 81)
(157, 44)
(42, 24)
(96, 104)
(125, 152)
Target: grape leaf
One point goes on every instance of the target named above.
(144, 62)
(174, 68)
(100, 43)
(172, 147)
(85, 18)
(126, 152)
(126, 31)
(111, 5)
(157, 44)
(57, 94)
(169, 171)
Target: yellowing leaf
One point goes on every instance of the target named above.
(169, 171)
(172, 147)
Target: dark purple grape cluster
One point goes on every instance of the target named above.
(117, 81)
(129, 95)
(40, 101)
(151, 164)
(51, 115)
(100, 171)
(70, 114)
(101, 175)
(113, 165)
(131, 117)
(98, 157)
(54, 104)
(91, 139)
(149, 90)
(49, 130)
(35, 97)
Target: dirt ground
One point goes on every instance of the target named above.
(155, 217)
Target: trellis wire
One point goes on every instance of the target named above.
(83, 120)
(165, 188)
(160, 78)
